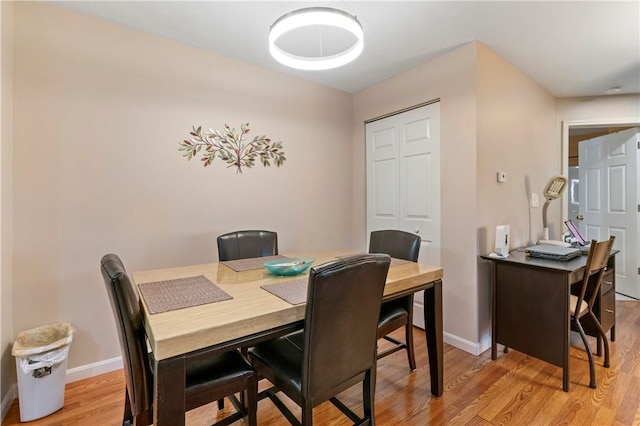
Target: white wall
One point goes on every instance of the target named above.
(99, 111)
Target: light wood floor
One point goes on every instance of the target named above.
(513, 390)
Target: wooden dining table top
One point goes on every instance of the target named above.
(251, 309)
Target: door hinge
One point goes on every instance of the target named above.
(638, 271)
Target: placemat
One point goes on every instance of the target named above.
(394, 260)
(294, 292)
(163, 296)
(241, 265)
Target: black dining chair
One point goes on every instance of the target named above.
(336, 348)
(247, 244)
(397, 313)
(582, 304)
(207, 380)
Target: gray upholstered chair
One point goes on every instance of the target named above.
(247, 244)
(207, 380)
(582, 303)
(337, 347)
(399, 312)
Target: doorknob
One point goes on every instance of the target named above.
(580, 217)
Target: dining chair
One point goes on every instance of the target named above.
(247, 244)
(207, 380)
(582, 304)
(397, 313)
(336, 348)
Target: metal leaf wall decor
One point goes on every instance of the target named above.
(231, 147)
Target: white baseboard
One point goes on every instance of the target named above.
(474, 348)
(95, 369)
(8, 400)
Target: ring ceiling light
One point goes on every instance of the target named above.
(315, 16)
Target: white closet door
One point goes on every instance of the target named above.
(403, 179)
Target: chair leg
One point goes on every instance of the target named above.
(603, 335)
(592, 367)
(251, 400)
(127, 417)
(409, 341)
(144, 418)
(368, 396)
(307, 414)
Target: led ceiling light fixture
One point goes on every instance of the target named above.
(319, 17)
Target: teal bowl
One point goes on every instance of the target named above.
(288, 266)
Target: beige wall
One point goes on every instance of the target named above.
(601, 108)
(493, 118)
(517, 134)
(99, 111)
(6, 159)
(452, 78)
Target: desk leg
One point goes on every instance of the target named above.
(169, 392)
(494, 289)
(434, 333)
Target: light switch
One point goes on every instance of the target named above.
(502, 177)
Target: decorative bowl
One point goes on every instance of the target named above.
(288, 266)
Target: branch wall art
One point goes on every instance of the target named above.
(231, 147)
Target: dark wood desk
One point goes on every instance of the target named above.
(254, 315)
(531, 306)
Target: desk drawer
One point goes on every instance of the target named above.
(607, 282)
(608, 310)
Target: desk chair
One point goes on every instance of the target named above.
(207, 380)
(337, 347)
(397, 313)
(582, 304)
(247, 244)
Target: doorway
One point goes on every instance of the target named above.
(572, 133)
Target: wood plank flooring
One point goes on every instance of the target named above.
(513, 390)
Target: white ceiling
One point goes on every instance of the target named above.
(570, 48)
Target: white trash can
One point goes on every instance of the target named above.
(41, 366)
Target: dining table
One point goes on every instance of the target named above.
(198, 310)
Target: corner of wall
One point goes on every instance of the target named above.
(7, 365)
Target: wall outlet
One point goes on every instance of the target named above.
(535, 202)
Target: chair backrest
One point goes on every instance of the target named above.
(246, 244)
(341, 321)
(594, 269)
(126, 310)
(395, 243)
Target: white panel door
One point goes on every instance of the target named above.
(609, 197)
(403, 180)
(382, 174)
(419, 164)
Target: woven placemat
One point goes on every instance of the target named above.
(294, 292)
(241, 265)
(394, 260)
(163, 296)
